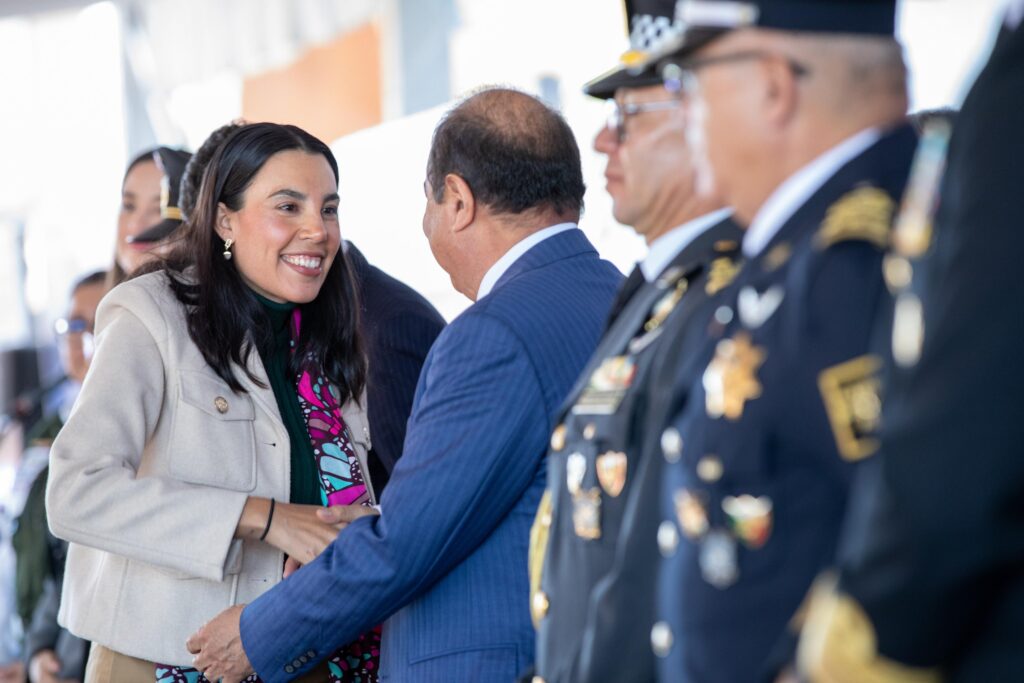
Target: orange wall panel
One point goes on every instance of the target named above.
(330, 91)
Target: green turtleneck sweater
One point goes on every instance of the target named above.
(305, 486)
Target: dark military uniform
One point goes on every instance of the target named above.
(760, 460)
(933, 562)
(594, 459)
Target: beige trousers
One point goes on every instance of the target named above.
(107, 666)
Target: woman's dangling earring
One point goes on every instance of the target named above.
(227, 249)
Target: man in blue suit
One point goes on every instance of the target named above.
(445, 563)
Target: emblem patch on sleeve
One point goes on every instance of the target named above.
(851, 393)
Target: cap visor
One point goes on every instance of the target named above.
(604, 86)
(156, 233)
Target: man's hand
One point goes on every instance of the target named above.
(218, 647)
(342, 515)
(339, 517)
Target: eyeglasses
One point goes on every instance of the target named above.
(66, 326)
(681, 77)
(619, 113)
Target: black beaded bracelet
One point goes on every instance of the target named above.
(270, 518)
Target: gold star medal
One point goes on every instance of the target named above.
(730, 379)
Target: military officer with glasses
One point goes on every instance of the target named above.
(797, 114)
(597, 449)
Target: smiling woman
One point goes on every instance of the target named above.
(242, 345)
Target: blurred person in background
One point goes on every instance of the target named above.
(799, 121)
(53, 653)
(931, 582)
(149, 211)
(222, 409)
(398, 327)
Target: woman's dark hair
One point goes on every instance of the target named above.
(225, 320)
(116, 274)
(192, 178)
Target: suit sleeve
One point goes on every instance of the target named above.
(95, 496)
(475, 443)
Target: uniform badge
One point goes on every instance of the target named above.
(717, 559)
(912, 234)
(586, 513)
(755, 309)
(723, 271)
(750, 518)
(907, 330)
(690, 511)
(607, 386)
(575, 471)
(611, 472)
(730, 379)
(863, 214)
(538, 551)
(665, 305)
(851, 393)
(777, 256)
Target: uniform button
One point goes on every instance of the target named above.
(661, 639)
(589, 431)
(540, 604)
(558, 438)
(668, 538)
(709, 468)
(289, 669)
(723, 315)
(672, 444)
(221, 404)
(898, 272)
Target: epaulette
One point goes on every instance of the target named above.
(863, 214)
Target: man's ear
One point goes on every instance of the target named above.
(223, 223)
(781, 90)
(462, 203)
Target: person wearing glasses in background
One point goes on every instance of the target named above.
(579, 594)
(51, 652)
(798, 115)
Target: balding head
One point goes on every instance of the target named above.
(516, 154)
(770, 102)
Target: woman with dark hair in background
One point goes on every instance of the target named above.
(140, 209)
(224, 384)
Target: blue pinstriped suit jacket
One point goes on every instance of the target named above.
(445, 564)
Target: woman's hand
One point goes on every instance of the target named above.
(295, 529)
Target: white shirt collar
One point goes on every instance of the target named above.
(524, 245)
(799, 187)
(668, 246)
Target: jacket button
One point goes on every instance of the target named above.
(311, 654)
(289, 669)
(661, 639)
(668, 538)
(672, 444)
(540, 605)
(709, 468)
(221, 404)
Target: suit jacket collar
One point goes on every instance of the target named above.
(561, 246)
